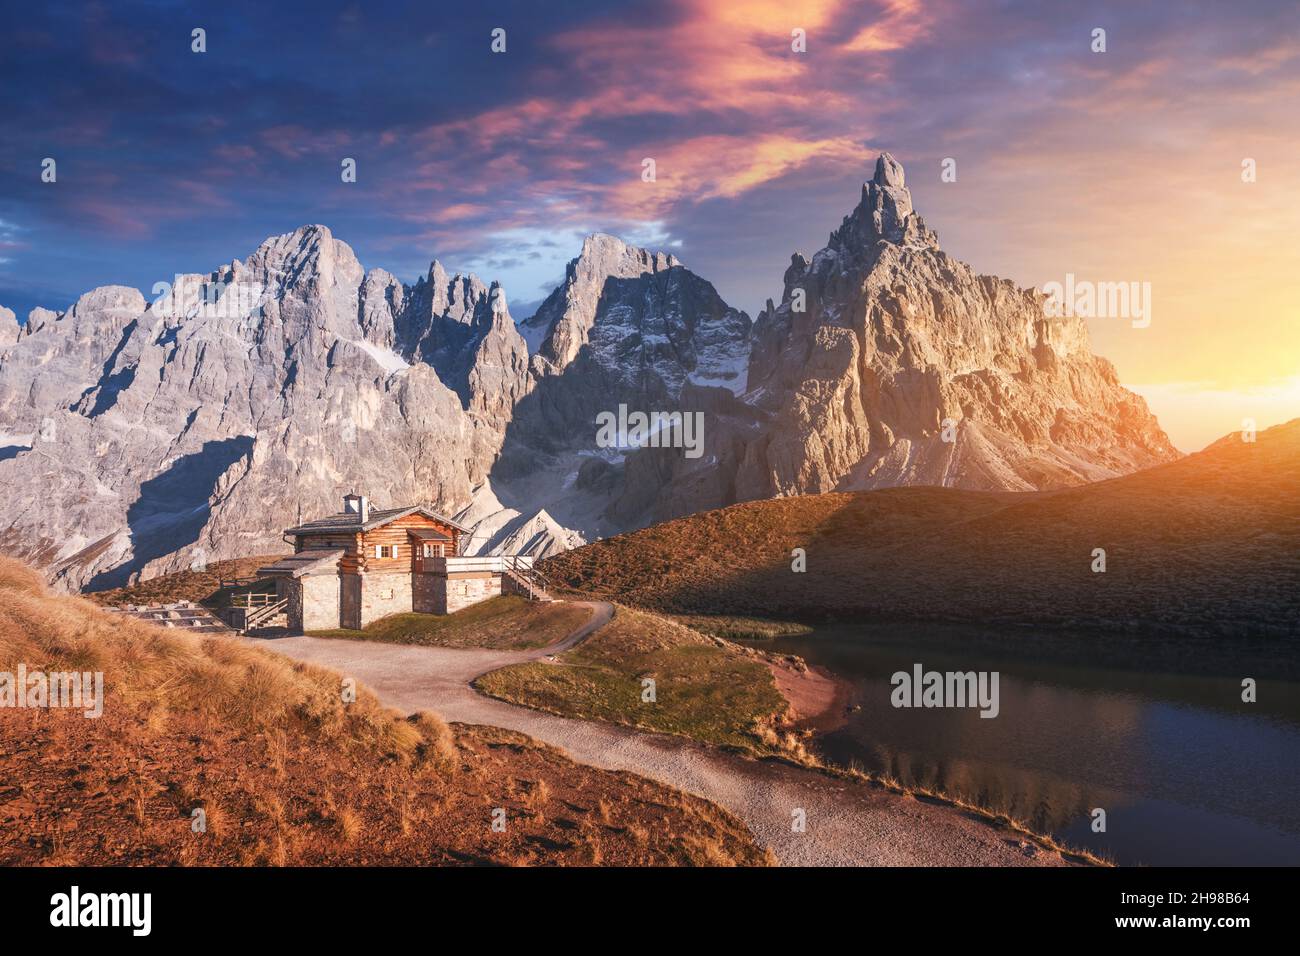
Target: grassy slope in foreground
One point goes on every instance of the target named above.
(505, 622)
(1206, 545)
(286, 773)
(705, 689)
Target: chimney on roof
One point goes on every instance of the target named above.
(355, 504)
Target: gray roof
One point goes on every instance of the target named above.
(304, 562)
(350, 521)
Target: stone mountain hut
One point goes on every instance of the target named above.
(352, 568)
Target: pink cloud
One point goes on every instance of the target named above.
(700, 60)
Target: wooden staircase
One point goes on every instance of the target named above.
(257, 610)
(266, 616)
(525, 578)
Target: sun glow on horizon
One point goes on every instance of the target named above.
(1194, 414)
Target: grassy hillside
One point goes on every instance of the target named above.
(1206, 545)
(704, 689)
(508, 621)
(285, 771)
(202, 587)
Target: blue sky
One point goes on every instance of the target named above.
(1121, 165)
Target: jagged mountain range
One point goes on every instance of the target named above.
(138, 437)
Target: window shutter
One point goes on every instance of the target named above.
(394, 550)
(377, 554)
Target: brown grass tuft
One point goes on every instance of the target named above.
(285, 771)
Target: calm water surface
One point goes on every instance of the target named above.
(1187, 772)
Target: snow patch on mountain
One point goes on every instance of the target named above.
(385, 358)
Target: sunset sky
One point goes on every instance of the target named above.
(1117, 166)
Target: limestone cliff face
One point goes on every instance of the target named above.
(139, 437)
(147, 436)
(888, 363)
(625, 326)
(566, 319)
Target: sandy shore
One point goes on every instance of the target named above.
(819, 701)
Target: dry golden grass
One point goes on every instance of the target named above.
(202, 587)
(1208, 545)
(284, 771)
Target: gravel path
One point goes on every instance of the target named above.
(846, 823)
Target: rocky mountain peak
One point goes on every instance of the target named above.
(562, 324)
(308, 257)
(889, 172)
(461, 327)
(452, 295)
(39, 318)
(887, 362)
(609, 255)
(497, 299)
(196, 435)
(884, 212)
(110, 298)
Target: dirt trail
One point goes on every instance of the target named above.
(846, 823)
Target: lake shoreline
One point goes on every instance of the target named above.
(818, 698)
(1031, 765)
